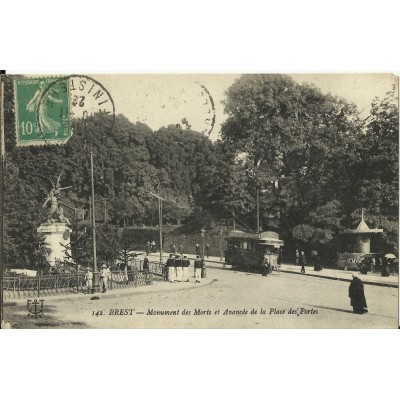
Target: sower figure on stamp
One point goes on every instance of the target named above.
(357, 296)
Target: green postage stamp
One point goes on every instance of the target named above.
(42, 111)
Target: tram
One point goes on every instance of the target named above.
(245, 251)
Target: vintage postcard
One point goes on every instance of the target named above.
(199, 201)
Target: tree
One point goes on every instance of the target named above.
(295, 143)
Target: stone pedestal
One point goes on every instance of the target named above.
(55, 236)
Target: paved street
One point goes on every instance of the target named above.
(225, 299)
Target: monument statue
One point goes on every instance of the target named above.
(55, 231)
(55, 212)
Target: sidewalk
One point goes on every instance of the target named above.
(341, 275)
(156, 287)
(326, 273)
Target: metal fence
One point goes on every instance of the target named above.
(157, 268)
(20, 287)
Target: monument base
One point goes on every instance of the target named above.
(56, 237)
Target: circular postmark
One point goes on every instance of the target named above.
(175, 100)
(70, 98)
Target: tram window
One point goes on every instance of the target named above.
(244, 245)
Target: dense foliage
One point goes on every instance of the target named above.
(311, 159)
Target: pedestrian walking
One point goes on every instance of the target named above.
(170, 264)
(173, 248)
(302, 261)
(178, 268)
(208, 250)
(147, 248)
(385, 267)
(153, 246)
(104, 277)
(197, 269)
(317, 263)
(146, 271)
(146, 266)
(357, 296)
(266, 267)
(373, 265)
(185, 269)
(88, 280)
(109, 280)
(197, 249)
(297, 254)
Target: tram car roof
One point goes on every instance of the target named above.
(267, 238)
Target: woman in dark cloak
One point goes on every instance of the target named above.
(356, 294)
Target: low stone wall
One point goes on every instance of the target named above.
(188, 241)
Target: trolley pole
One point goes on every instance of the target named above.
(96, 281)
(222, 244)
(2, 166)
(160, 225)
(202, 242)
(160, 200)
(258, 213)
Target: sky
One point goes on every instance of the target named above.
(162, 99)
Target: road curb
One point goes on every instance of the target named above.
(110, 293)
(391, 285)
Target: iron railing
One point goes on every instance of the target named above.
(20, 287)
(157, 268)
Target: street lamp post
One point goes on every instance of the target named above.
(222, 244)
(258, 213)
(160, 200)
(96, 280)
(202, 241)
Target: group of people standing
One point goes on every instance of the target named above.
(302, 261)
(150, 247)
(105, 275)
(177, 268)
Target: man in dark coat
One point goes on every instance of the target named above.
(357, 297)
(302, 262)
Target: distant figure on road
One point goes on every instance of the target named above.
(385, 267)
(178, 268)
(88, 280)
(146, 266)
(197, 269)
(173, 248)
(317, 263)
(170, 264)
(266, 267)
(373, 265)
(297, 257)
(208, 250)
(104, 277)
(185, 269)
(147, 248)
(153, 246)
(197, 249)
(181, 250)
(302, 261)
(357, 297)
